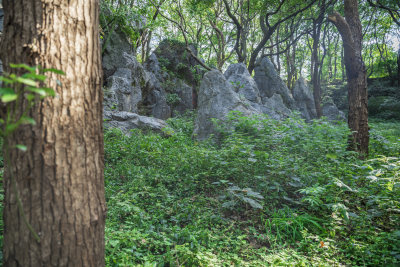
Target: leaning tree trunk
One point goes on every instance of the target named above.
(60, 177)
(351, 32)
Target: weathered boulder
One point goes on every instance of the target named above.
(127, 121)
(331, 112)
(243, 83)
(269, 82)
(304, 99)
(215, 100)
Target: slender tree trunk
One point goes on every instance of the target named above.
(398, 68)
(60, 176)
(335, 52)
(351, 31)
(342, 65)
(316, 68)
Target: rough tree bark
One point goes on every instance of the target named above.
(351, 32)
(60, 176)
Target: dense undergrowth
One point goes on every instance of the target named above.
(268, 193)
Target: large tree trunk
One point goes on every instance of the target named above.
(351, 32)
(60, 177)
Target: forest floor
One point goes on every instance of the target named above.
(270, 193)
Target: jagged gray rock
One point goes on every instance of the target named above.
(269, 82)
(304, 99)
(153, 65)
(215, 100)
(157, 101)
(116, 46)
(243, 83)
(185, 94)
(274, 107)
(123, 94)
(127, 121)
(332, 113)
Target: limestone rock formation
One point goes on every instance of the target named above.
(243, 83)
(123, 93)
(274, 107)
(304, 99)
(332, 113)
(216, 99)
(116, 46)
(127, 121)
(269, 82)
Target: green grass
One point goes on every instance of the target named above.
(269, 193)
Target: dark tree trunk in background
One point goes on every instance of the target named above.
(316, 82)
(351, 32)
(60, 177)
(398, 68)
(317, 64)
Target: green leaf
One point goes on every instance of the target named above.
(331, 156)
(30, 97)
(11, 127)
(6, 80)
(27, 120)
(21, 147)
(252, 160)
(251, 193)
(56, 71)
(254, 204)
(26, 81)
(23, 66)
(34, 76)
(49, 91)
(9, 97)
(39, 91)
(6, 91)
